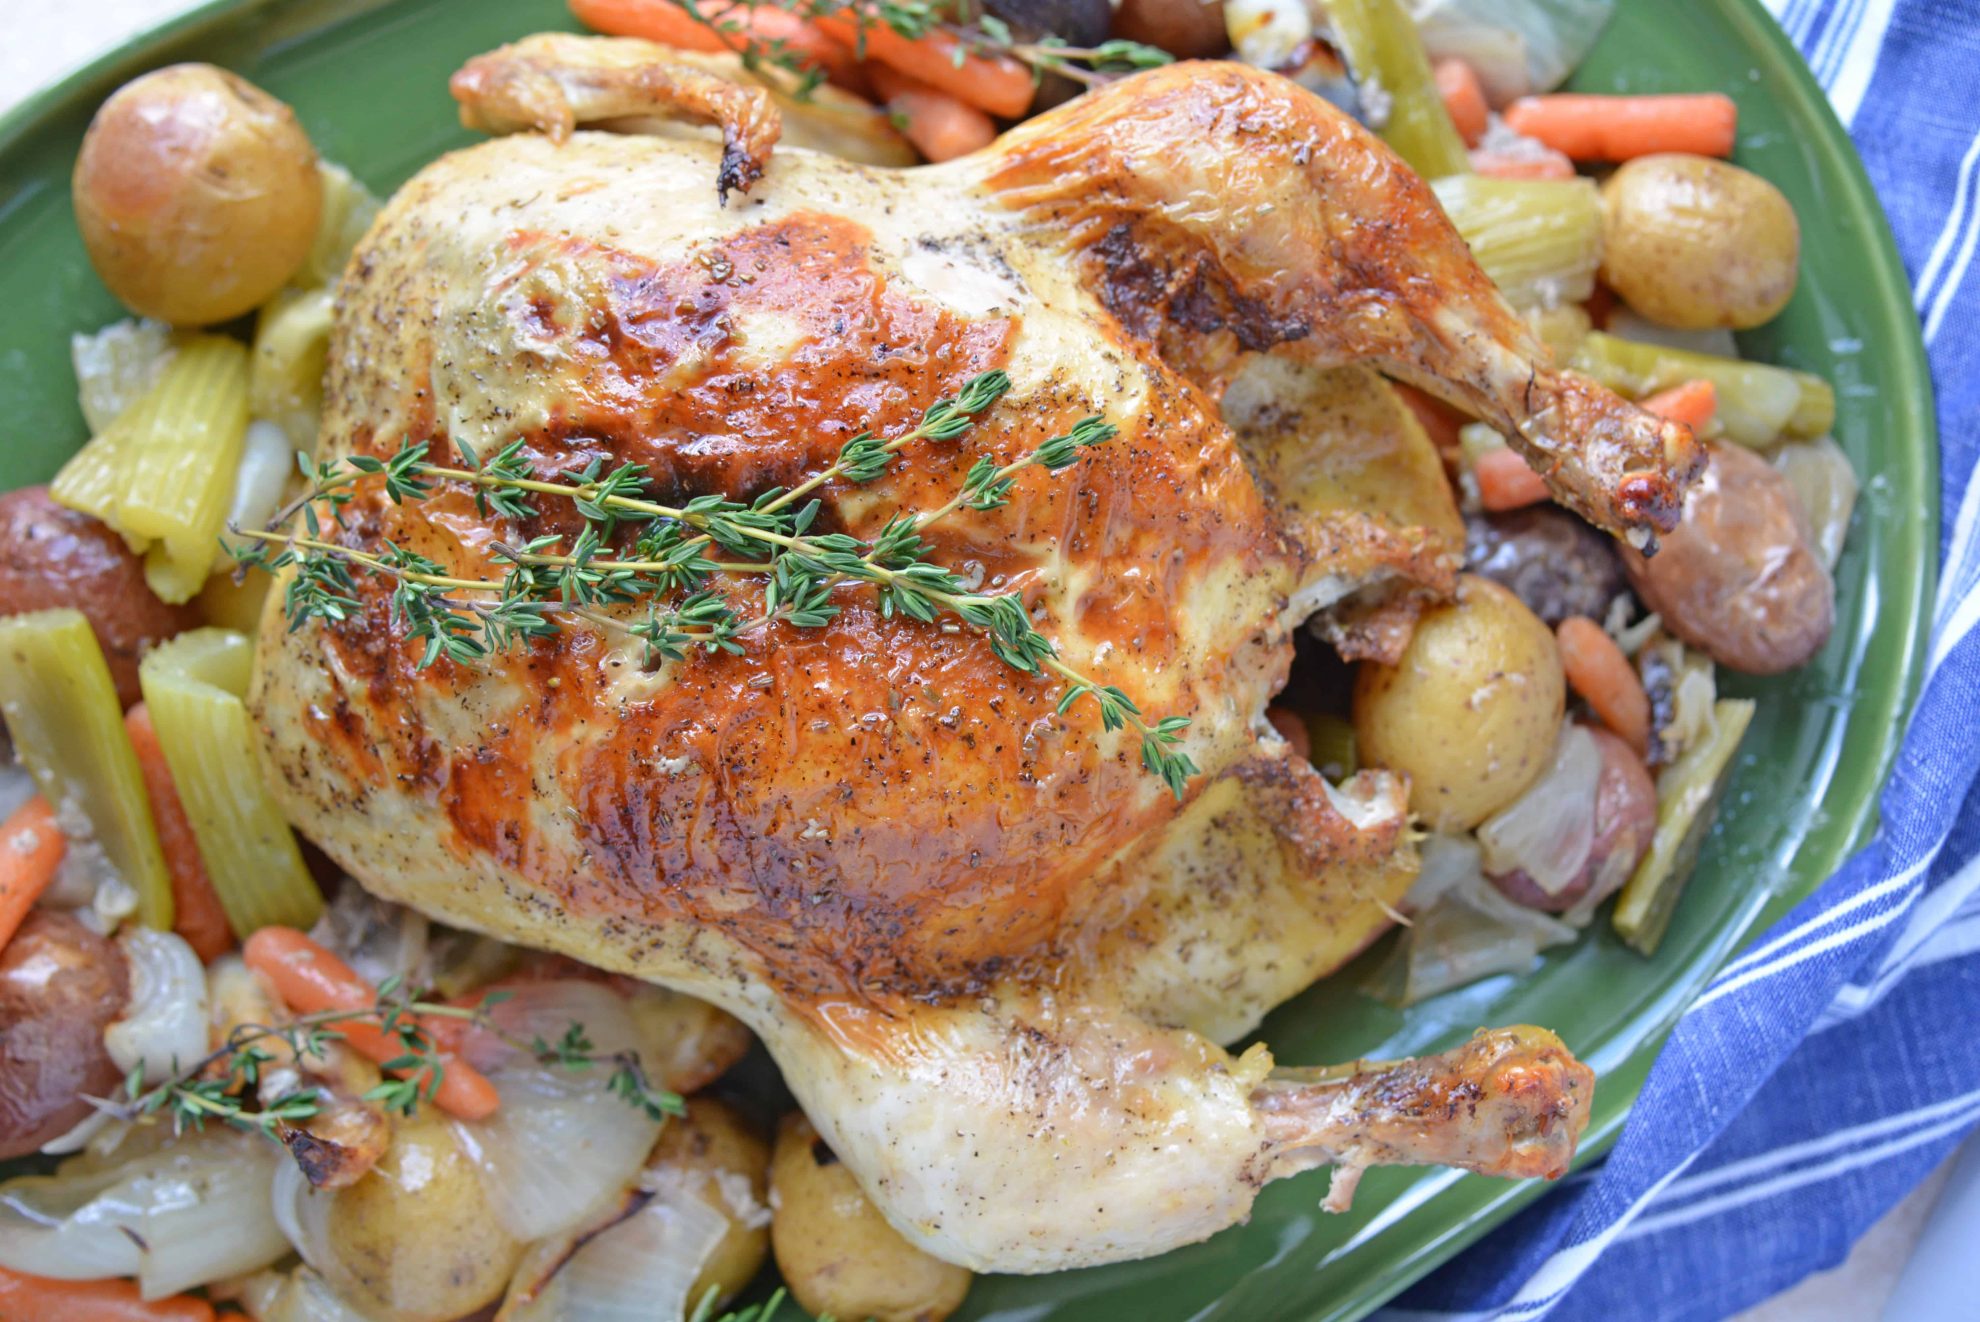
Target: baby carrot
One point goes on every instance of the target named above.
(666, 22)
(1292, 729)
(1505, 482)
(1440, 421)
(1589, 127)
(196, 912)
(311, 980)
(24, 1296)
(1597, 669)
(31, 848)
(1690, 402)
(1463, 98)
(1546, 164)
(941, 127)
(995, 84)
(655, 20)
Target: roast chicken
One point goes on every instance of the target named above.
(996, 960)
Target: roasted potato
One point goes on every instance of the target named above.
(414, 1240)
(686, 1042)
(60, 984)
(51, 556)
(837, 1253)
(197, 194)
(1625, 820)
(1694, 243)
(1187, 29)
(713, 1147)
(1739, 579)
(1470, 712)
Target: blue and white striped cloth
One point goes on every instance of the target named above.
(1831, 1066)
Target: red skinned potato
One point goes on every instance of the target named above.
(51, 556)
(60, 985)
(1739, 579)
(1625, 820)
(1187, 29)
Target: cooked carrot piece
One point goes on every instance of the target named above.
(1440, 421)
(666, 22)
(1463, 97)
(311, 980)
(1292, 728)
(1597, 669)
(196, 912)
(31, 849)
(1505, 482)
(1513, 165)
(1590, 127)
(1692, 403)
(24, 1296)
(995, 84)
(940, 127)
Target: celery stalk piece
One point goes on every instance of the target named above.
(60, 705)
(291, 346)
(348, 210)
(195, 685)
(1539, 239)
(183, 455)
(1758, 403)
(163, 473)
(1332, 741)
(1687, 797)
(1398, 93)
(94, 480)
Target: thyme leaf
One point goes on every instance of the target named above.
(671, 567)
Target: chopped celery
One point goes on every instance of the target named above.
(194, 686)
(1758, 403)
(1398, 94)
(348, 210)
(1561, 328)
(163, 473)
(1539, 239)
(1687, 795)
(232, 604)
(94, 479)
(183, 464)
(1332, 745)
(61, 708)
(291, 345)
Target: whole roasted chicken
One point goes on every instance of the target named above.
(993, 956)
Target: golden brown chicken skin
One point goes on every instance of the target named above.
(992, 954)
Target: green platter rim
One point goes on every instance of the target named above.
(1424, 1218)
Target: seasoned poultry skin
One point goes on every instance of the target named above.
(993, 956)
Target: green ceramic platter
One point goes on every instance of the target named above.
(369, 78)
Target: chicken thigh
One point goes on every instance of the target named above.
(994, 958)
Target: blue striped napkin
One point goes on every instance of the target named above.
(1832, 1065)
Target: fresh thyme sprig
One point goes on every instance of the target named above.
(985, 35)
(221, 1085)
(668, 566)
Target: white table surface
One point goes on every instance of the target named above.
(46, 41)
